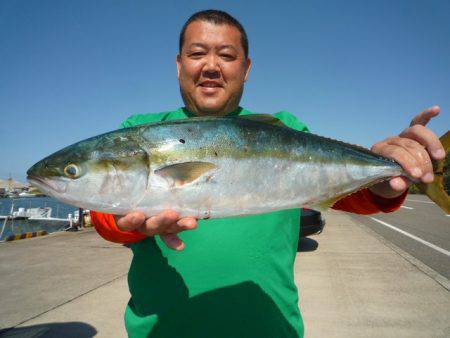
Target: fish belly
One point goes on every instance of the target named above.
(259, 185)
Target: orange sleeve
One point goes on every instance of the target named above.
(365, 202)
(106, 227)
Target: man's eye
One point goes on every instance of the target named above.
(196, 54)
(228, 56)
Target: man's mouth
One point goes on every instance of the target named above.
(210, 87)
(210, 84)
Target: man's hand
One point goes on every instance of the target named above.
(167, 225)
(413, 149)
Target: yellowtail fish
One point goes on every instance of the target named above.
(210, 167)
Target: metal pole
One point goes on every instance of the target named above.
(6, 219)
(3, 228)
(81, 217)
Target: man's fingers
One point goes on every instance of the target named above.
(131, 221)
(426, 138)
(424, 117)
(188, 223)
(166, 224)
(172, 241)
(399, 183)
(158, 224)
(421, 158)
(413, 149)
(400, 155)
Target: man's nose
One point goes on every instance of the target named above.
(211, 69)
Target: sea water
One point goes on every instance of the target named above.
(16, 227)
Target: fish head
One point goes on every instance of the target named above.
(107, 173)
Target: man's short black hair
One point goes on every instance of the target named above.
(219, 18)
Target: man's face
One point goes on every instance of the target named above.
(212, 68)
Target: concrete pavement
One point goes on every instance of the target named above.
(356, 285)
(426, 231)
(352, 285)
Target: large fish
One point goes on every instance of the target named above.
(210, 167)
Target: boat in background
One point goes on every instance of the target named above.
(26, 194)
(31, 214)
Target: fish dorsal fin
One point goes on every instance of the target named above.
(263, 118)
(185, 172)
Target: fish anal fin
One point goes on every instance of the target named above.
(185, 172)
(326, 204)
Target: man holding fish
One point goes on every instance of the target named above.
(234, 276)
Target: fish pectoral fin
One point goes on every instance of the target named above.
(263, 118)
(185, 172)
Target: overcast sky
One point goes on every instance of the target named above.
(352, 70)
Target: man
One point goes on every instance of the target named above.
(235, 276)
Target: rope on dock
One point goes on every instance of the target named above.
(26, 235)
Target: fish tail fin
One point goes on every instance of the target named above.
(436, 190)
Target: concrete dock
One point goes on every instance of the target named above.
(352, 283)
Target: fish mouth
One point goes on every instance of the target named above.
(48, 185)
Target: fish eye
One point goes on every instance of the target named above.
(72, 171)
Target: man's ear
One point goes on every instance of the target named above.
(248, 65)
(178, 61)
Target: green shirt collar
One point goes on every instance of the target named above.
(238, 111)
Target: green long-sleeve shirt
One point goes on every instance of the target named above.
(235, 277)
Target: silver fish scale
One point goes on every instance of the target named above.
(259, 167)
